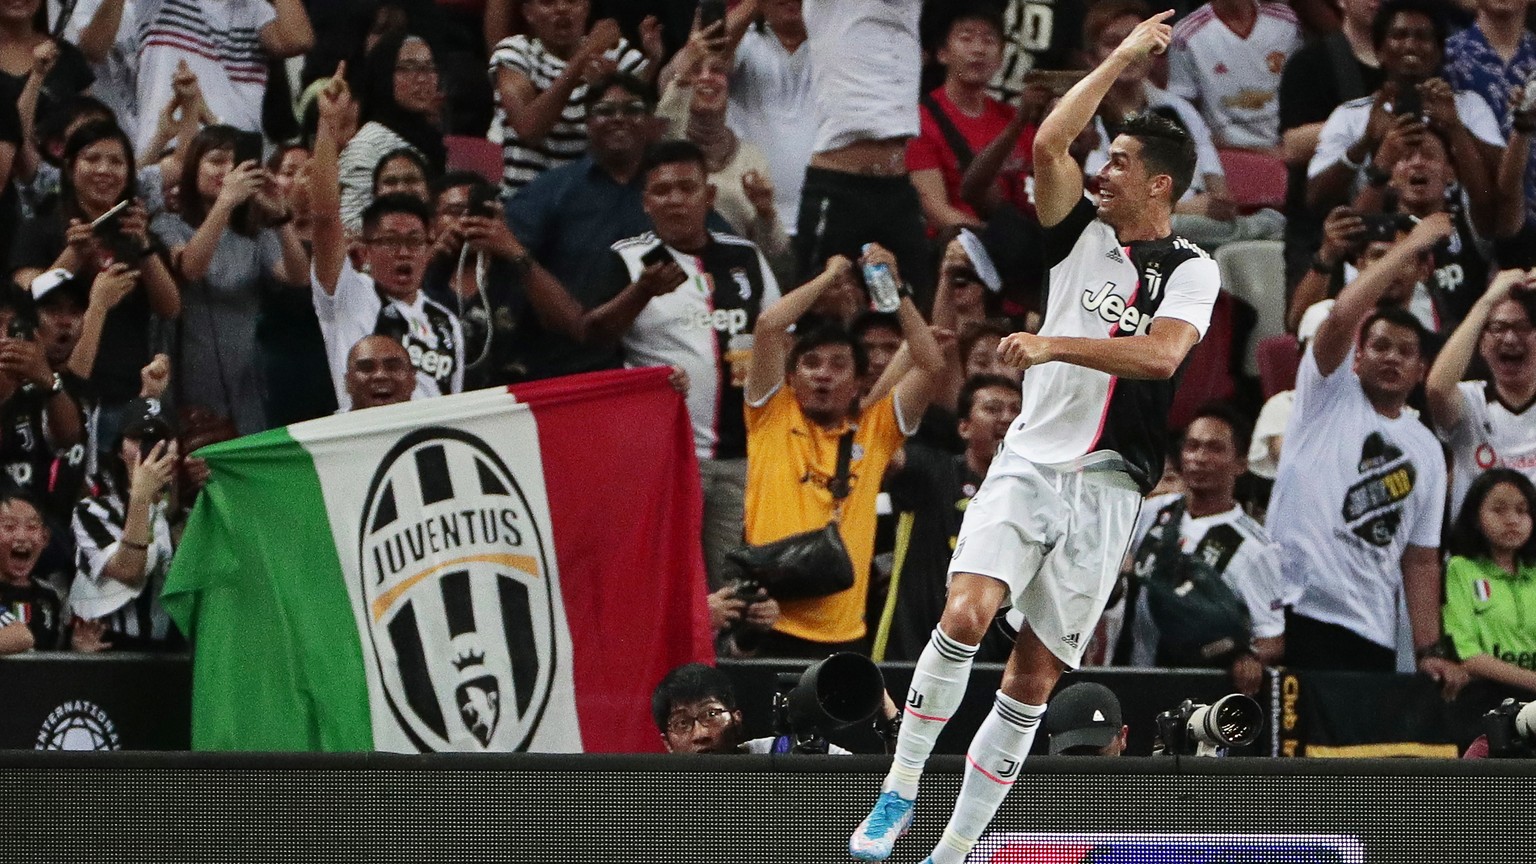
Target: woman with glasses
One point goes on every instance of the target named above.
(541, 83)
(400, 108)
(233, 239)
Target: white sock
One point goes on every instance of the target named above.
(938, 685)
(991, 766)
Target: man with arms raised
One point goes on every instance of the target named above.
(1047, 529)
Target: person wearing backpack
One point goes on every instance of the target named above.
(1206, 588)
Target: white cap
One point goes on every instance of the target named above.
(981, 262)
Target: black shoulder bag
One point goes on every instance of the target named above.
(812, 563)
(1200, 621)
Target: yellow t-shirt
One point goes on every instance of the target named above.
(790, 461)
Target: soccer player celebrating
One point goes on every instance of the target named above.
(1047, 529)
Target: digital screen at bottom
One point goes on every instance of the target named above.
(1023, 848)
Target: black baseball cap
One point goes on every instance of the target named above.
(1083, 715)
(145, 418)
(58, 284)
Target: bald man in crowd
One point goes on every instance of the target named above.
(379, 372)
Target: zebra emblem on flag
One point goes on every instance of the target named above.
(455, 576)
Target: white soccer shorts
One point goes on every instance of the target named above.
(1056, 538)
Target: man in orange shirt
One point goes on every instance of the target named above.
(802, 395)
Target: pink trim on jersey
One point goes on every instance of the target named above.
(989, 775)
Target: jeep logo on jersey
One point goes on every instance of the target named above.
(1113, 309)
(456, 585)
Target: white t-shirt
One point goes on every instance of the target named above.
(116, 83)
(770, 99)
(1238, 547)
(221, 42)
(1271, 424)
(866, 68)
(1235, 81)
(1489, 435)
(1354, 490)
(1207, 160)
(430, 333)
(1348, 121)
(1101, 289)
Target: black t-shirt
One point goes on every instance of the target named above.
(70, 75)
(124, 348)
(504, 313)
(41, 607)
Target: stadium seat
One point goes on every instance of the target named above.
(1278, 358)
(1253, 271)
(468, 153)
(1254, 179)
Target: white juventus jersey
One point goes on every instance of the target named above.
(1489, 434)
(1235, 81)
(1101, 289)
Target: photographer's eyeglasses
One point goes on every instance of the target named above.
(714, 718)
(610, 110)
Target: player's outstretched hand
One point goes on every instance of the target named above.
(1023, 350)
(1150, 37)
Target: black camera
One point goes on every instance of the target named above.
(1383, 227)
(1193, 729)
(1511, 730)
(839, 692)
(482, 201)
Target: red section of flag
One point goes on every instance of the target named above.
(623, 487)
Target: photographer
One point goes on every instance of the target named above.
(740, 614)
(695, 710)
(1085, 720)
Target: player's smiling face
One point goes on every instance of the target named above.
(1125, 186)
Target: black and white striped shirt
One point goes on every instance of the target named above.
(134, 613)
(567, 139)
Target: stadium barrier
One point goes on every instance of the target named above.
(210, 808)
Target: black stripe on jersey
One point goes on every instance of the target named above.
(1136, 419)
(93, 516)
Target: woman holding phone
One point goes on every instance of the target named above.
(73, 232)
(233, 239)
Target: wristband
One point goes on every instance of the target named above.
(1321, 266)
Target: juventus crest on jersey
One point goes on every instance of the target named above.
(1099, 288)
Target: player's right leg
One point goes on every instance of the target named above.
(938, 686)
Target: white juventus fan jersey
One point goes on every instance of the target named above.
(1101, 289)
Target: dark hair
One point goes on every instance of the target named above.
(978, 10)
(54, 125)
(826, 332)
(1242, 430)
(1526, 301)
(694, 682)
(400, 153)
(1400, 317)
(975, 384)
(455, 179)
(85, 136)
(10, 493)
(869, 320)
(1100, 14)
(395, 202)
(209, 140)
(1165, 149)
(975, 331)
(1392, 8)
(673, 151)
(379, 105)
(1466, 537)
(279, 153)
(624, 81)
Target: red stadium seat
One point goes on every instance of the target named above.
(1279, 356)
(468, 153)
(1210, 373)
(1254, 179)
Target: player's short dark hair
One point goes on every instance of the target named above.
(1399, 317)
(812, 333)
(1165, 149)
(1466, 536)
(694, 682)
(1392, 8)
(624, 81)
(673, 151)
(975, 384)
(1242, 430)
(984, 11)
(395, 202)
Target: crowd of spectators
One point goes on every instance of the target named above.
(228, 215)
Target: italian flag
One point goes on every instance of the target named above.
(504, 570)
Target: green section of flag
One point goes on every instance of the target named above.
(257, 585)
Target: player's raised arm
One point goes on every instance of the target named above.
(1058, 179)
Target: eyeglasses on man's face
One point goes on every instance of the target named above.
(610, 110)
(711, 718)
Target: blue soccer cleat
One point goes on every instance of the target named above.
(877, 834)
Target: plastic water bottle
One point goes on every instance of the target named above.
(884, 290)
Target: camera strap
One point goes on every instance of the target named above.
(841, 483)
